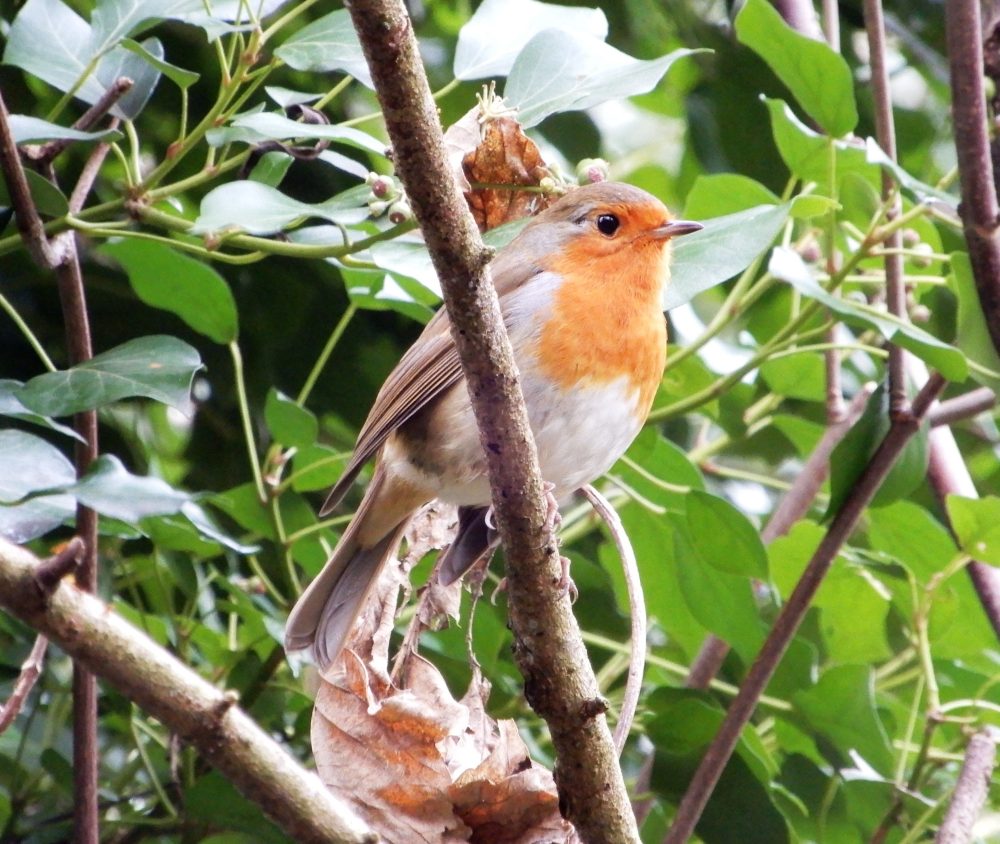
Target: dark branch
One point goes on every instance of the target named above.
(903, 427)
(971, 790)
(979, 209)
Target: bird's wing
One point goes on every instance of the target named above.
(429, 367)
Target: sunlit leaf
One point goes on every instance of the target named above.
(565, 71)
(818, 77)
(718, 194)
(31, 130)
(289, 423)
(12, 407)
(329, 43)
(722, 537)
(489, 42)
(725, 247)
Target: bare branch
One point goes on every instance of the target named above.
(46, 153)
(885, 130)
(971, 790)
(903, 427)
(962, 407)
(29, 224)
(979, 209)
(31, 669)
(637, 613)
(559, 683)
(202, 715)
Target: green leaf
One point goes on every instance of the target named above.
(276, 127)
(818, 77)
(722, 537)
(115, 20)
(408, 257)
(134, 65)
(59, 61)
(10, 406)
(564, 71)
(259, 209)
(851, 457)
(290, 424)
(726, 246)
(180, 76)
(920, 191)
(976, 522)
(271, 168)
(841, 707)
(48, 199)
(718, 194)
(157, 367)
(110, 489)
(30, 465)
(807, 206)
(972, 335)
(796, 376)
(164, 278)
(491, 39)
(36, 517)
(808, 154)
(787, 265)
(33, 130)
(317, 467)
(722, 602)
(329, 43)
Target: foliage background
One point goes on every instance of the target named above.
(848, 709)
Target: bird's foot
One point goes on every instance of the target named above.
(565, 583)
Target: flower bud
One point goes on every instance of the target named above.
(592, 170)
(922, 257)
(376, 207)
(400, 211)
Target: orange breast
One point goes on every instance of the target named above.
(607, 320)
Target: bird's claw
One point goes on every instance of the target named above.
(565, 583)
(553, 518)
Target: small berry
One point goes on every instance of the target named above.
(922, 257)
(592, 170)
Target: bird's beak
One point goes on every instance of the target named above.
(675, 228)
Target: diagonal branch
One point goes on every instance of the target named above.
(559, 682)
(979, 209)
(903, 427)
(202, 715)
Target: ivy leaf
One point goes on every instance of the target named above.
(267, 125)
(164, 278)
(30, 464)
(564, 71)
(818, 77)
(12, 407)
(157, 367)
(110, 489)
(35, 517)
(114, 20)
(489, 42)
(290, 424)
(718, 194)
(976, 522)
(329, 43)
(725, 247)
(722, 537)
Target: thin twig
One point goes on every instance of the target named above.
(89, 174)
(971, 790)
(903, 427)
(29, 223)
(637, 614)
(979, 209)
(31, 670)
(46, 153)
(559, 682)
(962, 407)
(885, 130)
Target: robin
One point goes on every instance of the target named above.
(580, 292)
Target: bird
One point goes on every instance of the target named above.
(580, 290)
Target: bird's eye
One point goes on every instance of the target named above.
(607, 224)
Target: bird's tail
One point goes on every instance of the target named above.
(326, 611)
